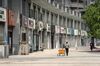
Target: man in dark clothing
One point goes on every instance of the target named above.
(91, 46)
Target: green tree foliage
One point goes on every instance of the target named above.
(92, 19)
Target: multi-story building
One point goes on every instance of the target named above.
(11, 25)
(36, 24)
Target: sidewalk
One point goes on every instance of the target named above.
(48, 54)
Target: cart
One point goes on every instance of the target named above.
(61, 51)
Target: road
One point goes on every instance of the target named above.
(80, 57)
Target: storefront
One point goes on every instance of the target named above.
(31, 27)
(70, 36)
(48, 36)
(84, 38)
(39, 36)
(11, 25)
(52, 36)
(76, 38)
(57, 36)
(27, 40)
(60, 36)
(24, 47)
(3, 33)
(63, 35)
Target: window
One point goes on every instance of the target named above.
(0, 2)
(64, 21)
(68, 23)
(71, 11)
(23, 36)
(51, 19)
(23, 6)
(43, 15)
(75, 22)
(10, 4)
(56, 19)
(47, 17)
(71, 23)
(78, 24)
(74, 12)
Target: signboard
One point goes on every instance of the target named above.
(63, 30)
(40, 25)
(23, 30)
(3, 16)
(57, 29)
(24, 21)
(70, 31)
(82, 33)
(31, 23)
(75, 32)
(48, 28)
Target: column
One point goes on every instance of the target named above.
(58, 35)
(5, 49)
(49, 45)
(45, 32)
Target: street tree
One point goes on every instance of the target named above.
(92, 19)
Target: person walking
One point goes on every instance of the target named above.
(91, 46)
(66, 48)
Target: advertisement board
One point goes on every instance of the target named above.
(3, 16)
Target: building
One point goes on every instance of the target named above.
(34, 24)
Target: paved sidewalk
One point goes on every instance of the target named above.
(80, 57)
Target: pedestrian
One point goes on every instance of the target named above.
(91, 46)
(66, 46)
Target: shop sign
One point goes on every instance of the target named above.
(24, 21)
(75, 32)
(31, 23)
(3, 16)
(82, 33)
(57, 29)
(70, 31)
(40, 25)
(63, 30)
(48, 28)
(23, 30)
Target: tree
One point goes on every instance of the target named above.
(92, 19)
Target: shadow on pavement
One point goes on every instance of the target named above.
(95, 50)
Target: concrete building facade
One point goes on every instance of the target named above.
(33, 25)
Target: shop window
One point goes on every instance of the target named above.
(23, 36)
